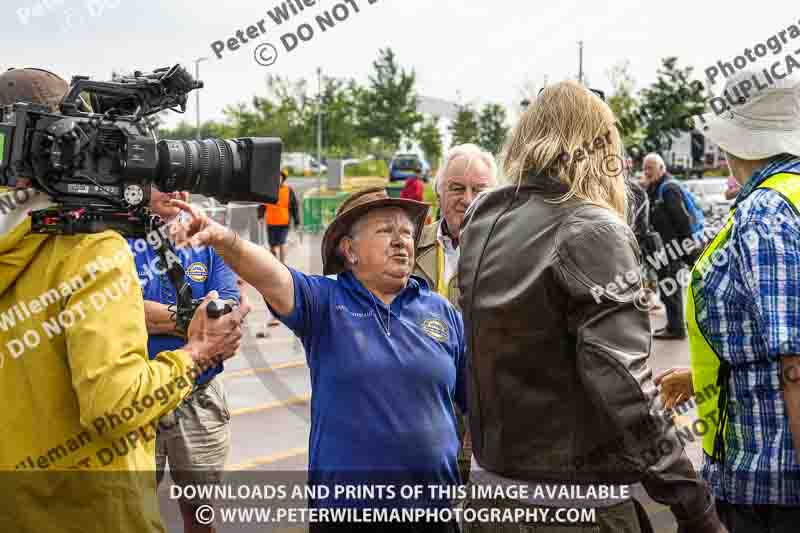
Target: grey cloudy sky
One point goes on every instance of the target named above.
(482, 51)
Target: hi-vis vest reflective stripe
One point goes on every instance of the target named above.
(278, 214)
(704, 359)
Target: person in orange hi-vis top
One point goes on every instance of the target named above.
(277, 218)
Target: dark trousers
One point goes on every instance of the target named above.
(673, 304)
(672, 290)
(740, 518)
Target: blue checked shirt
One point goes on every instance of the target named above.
(752, 318)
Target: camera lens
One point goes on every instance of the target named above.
(245, 169)
(206, 167)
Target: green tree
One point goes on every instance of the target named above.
(465, 127)
(668, 105)
(387, 107)
(625, 106)
(430, 140)
(340, 136)
(493, 128)
(185, 130)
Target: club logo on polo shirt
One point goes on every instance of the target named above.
(435, 329)
(197, 272)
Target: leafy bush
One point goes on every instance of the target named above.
(371, 167)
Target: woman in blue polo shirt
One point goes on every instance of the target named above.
(386, 353)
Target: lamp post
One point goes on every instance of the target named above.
(319, 130)
(197, 92)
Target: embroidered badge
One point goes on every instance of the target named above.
(342, 308)
(197, 272)
(435, 329)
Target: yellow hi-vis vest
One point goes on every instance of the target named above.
(710, 375)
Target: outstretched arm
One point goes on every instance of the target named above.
(254, 264)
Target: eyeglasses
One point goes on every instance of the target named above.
(598, 92)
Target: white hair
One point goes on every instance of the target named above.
(657, 158)
(471, 151)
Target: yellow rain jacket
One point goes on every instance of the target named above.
(80, 398)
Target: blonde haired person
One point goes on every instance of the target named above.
(559, 387)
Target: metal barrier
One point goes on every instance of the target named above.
(241, 218)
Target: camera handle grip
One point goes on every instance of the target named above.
(217, 308)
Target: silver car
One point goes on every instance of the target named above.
(710, 192)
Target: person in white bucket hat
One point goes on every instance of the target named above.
(743, 312)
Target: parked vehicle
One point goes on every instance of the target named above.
(301, 164)
(403, 166)
(710, 191)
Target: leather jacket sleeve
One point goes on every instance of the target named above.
(594, 253)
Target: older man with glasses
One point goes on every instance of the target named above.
(467, 171)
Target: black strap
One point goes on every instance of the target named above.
(723, 378)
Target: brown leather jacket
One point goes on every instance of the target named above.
(559, 386)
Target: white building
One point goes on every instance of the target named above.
(446, 112)
(680, 153)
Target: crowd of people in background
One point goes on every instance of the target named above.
(475, 348)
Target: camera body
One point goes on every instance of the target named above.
(98, 166)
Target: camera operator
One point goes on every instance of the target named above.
(82, 398)
(195, 437)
